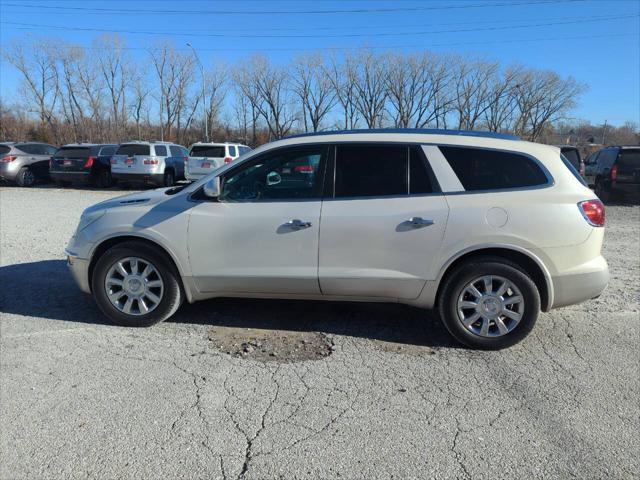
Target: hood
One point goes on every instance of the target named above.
(147, 198)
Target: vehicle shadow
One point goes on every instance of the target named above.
(46, 290)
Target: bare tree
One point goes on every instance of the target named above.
(215, 90)
(342, 76)
(72, 104)
(472, 82)
(314, 89)
(501, 100)
(246, 87)
(369, 84)
(116, 70)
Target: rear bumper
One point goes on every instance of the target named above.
(633, 188)
(579, 287)
(9, 170)
(76, 177)
(146, 178)
(79, 268)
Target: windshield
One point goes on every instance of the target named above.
(207, 151)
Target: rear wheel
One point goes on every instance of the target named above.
(169, 179)
(135, 285)
(602, 190)
(489, 304)
(25, 177)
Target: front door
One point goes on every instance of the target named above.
(261, 236)
(384, 225)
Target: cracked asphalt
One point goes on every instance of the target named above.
(394, 397)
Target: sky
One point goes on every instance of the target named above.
(595, 41)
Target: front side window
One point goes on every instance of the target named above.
(287, 174)
(161, 150)
(484, 169)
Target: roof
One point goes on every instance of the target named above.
(415, 131)
(88, 144)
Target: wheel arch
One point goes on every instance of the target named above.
(530, 263)
(110, 242)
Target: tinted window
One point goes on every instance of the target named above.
(175, 151)
(629, 158)
(572, 169)
(244, 150)
(573, 156)
(27, 148)
(287, 174)
(73, 152)
(161, 150)
(4, 149)
(108, 150)
(480, 169)
(133, 149)
(50, 149)
(371, 170)
(419, 178)
(232, 150)
(207, 151)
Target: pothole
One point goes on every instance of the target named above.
(264, 345)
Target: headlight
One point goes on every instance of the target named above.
(88, 218)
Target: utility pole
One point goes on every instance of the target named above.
(204, 98)
(604, 133)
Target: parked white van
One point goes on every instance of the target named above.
(206, 157)
(487, 229)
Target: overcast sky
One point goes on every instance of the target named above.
(596, 41)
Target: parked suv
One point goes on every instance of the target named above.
(614, 171)
(152, 163)
(83, 163)
(487, 229)
(206, 157)
(25, 162)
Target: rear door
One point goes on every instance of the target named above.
(70, 159)
(628, 163)
(203, 159)
(382, 224)
(130, 158)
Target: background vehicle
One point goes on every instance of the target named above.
(83, 163)
(614, 171)
(206, 157)
(151, 163)
(25, 162)
(572, 154)
(485, 228)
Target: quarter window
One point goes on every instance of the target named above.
(285, 174)
(161, 150)
(482, 169)
(232, 151)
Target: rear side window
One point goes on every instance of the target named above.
(133, 149)
(482, 169)
(108, 150)
(573, 156)
(371, 170)
(4, 149)
(629, 158)
(232, 151)
(28, 148)
(73, 152)
(207, 151)
(161, 150)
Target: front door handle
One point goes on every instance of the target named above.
(297, 224)
(420, 222)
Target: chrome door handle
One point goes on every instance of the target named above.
(295, 223)
(420, 222)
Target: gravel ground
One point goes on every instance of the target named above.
(277, 389)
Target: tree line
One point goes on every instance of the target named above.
(70, 93)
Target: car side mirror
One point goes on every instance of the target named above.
(211, 189)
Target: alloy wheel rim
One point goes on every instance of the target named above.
(28, 177)
(490, 306)
(134, 286)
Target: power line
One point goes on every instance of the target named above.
(289, 12)
(345, 35)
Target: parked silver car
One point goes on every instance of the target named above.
(25, 162)
(151, 163)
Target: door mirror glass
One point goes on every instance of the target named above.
(273, 178)
(211, 189)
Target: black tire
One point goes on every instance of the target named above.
(169, 178)
(481, 266)
(172, 296)
(104, 179)
(603, 191)
(25, 177)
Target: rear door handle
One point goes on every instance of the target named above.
(297, 224)
(420, 222)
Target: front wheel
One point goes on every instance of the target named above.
(489, 304)
(136, 285)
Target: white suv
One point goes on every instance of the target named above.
(204, 158)
(151, 163)
(486, 228)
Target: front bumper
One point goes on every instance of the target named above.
(79, 268)
(147, 179)
(579, 287)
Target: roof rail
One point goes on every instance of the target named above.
(420, 131)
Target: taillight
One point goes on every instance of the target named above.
(186, 160)
(614, 173)
(90, 161)
(150, 161)
(8, 158)
(593, 212)
(228, 159)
